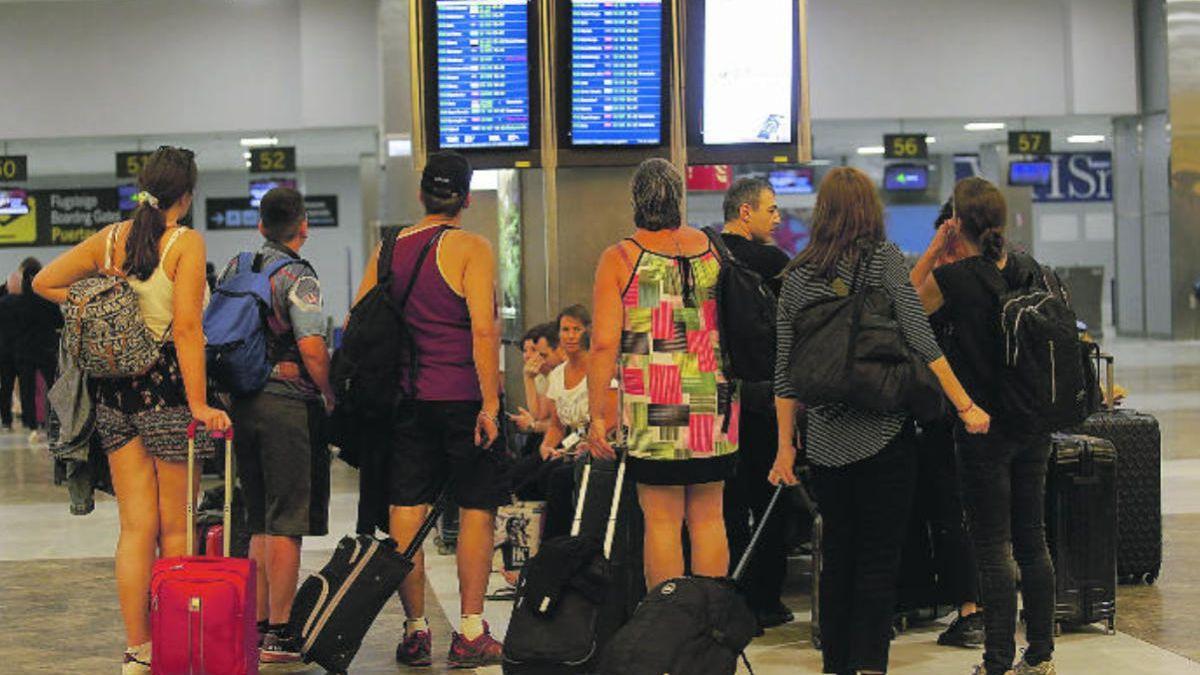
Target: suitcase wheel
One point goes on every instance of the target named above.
(1149, 578)
(1112, 625)
(816, 642)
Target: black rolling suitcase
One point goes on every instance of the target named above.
(570, 596)
(1138, 441)
(1081, 523)
(818, 526)
(335, 607)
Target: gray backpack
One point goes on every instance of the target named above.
(103, 327)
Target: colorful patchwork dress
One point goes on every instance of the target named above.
(681, 413)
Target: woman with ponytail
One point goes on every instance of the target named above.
(1003, 472)
(142, 420)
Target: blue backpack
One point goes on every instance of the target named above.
(236, 328)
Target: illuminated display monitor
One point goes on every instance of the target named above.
(480, 79)
(904, 178)
(1029, 173)
(260, 187)
(483, 73)
(617, 72)
(748, 92)
(743, 93)
(13, 202)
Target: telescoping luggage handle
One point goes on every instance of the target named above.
(1109, 384)
(615, 508)
(758, 530)
(227, 509)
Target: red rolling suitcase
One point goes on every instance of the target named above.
(203, 609)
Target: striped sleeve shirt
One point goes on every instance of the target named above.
(839, 434)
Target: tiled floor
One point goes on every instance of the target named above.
(58, 606)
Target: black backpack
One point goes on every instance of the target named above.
(689, 625)
(745, 317)
(1046, 379)
(366, 370)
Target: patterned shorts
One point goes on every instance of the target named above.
(153, 407)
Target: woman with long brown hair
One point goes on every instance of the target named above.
(142, 420)
(863, 463)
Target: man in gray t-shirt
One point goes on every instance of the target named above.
(283, 457)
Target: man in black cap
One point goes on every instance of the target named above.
(446, 427)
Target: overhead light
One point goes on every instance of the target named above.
(983, 126)
(245, 155)
(485, 179)
(399, 147)
(820, 162)
(259, 141)
(1086, 138)
(871, 150)
(930, 139)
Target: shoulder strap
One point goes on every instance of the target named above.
(625, 257)
(110, 246)
(383, 269)
(714, 237)
(412, 280)
(864, 262)
(170, 242)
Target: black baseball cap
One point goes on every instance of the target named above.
(447, 174)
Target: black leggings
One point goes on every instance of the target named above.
(865, 508)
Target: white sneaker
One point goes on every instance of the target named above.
(133, 666)
(35, 437)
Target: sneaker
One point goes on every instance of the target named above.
(484, 650)
(964, 631)
(1044, 668)
(132, 666)
(416, 649)
(35, 437)
(279, 648)
(980, 670)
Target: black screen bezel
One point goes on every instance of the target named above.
(1011, 183)
(902, 166)
(483, 158)
(570, 154)
(742, 153)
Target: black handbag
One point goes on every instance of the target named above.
(849, 349)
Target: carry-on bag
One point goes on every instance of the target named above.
(203, 610)
(694, 625)
(558, 622)
(817, 562)
(335, 607)
(1138, 441)
(1081, 523)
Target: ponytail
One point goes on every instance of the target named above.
(141, 247)
(168, 175)
(991, 244)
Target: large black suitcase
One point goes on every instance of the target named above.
(1138, 441)
(335, 607)
(1081, 519)
(805, 498)
(564, 630)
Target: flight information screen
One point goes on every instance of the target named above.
(617, 72)
(748, 92)
(483, 73)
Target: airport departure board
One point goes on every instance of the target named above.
(483, 74)
(617, 74)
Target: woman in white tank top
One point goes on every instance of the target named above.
(142, 421)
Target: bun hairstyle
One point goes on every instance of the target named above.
(983, 213)
(168, 175)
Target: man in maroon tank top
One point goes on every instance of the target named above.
(447, 426)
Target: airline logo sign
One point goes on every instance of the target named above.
(1074, 177)
(1077, 177)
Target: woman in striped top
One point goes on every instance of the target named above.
(863, 463)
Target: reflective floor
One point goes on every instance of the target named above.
(58, 603)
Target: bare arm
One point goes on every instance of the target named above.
(931, 295)
(315, 355)
(187, 330)
(479, 287)
(607, 318)
(554, 433)
(81, 261)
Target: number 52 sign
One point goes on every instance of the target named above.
(273, 160)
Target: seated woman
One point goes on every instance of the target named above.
(568, 409)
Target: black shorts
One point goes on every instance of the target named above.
(283, 464)
(433, 441)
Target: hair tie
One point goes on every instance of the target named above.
(147, 198)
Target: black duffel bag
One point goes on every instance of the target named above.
(850, 349)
